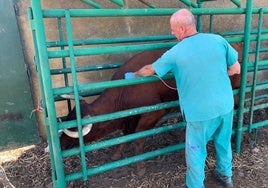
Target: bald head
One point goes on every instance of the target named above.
(183, 24)
(183, 17)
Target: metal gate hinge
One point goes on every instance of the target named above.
(30, 18)
(16, 9)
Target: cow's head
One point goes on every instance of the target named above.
(74, 133)
(69, 137)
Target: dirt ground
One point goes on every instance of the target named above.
(30, 167)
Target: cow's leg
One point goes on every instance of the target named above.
(236, 101)
(147, 121)
(118, 152)
(68, 142)
(128, 127)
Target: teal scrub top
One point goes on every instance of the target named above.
(199, 64)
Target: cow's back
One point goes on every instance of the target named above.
(136, 62)
(142, 94)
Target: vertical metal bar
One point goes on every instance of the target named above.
(211, 23)
(199, 17)
(63, 59)
(76, 94)
(40, 81)
(256, 66)
(247, 29)
(59, 180)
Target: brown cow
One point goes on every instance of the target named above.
(235, 79)
(122, 98)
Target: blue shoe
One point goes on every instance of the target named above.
(224, 180)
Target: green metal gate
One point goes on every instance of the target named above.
(70, 49)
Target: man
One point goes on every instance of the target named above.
(201, 64)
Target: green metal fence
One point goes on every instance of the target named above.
(252, 92)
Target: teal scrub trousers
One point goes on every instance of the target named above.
(197, 135)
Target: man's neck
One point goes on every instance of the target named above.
(189, 34)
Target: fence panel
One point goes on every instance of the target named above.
(59, 58)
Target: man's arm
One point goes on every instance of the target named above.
(234, 69)
(147, 70)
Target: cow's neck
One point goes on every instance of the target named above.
(105, 103)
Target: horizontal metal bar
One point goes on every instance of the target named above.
(129, 48)
(253, 31)
(127, 161)
(120, 114)
(145, 156)
(99, 86)
(87, 68)
(142, 39)
(261, 37)
(241, 38)
(256, 125)
(112, 40)
(110, 84)
(259, 86)
(263, 65)
(54, 13)
(262, 86)
(261, 98)
(255, 107)
(109, 49)
(125, 138)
